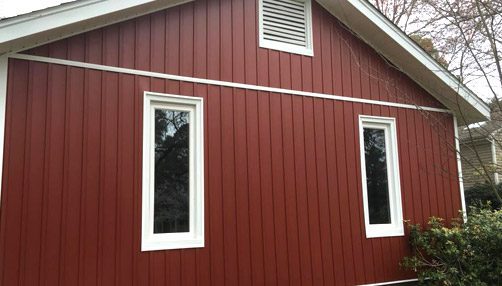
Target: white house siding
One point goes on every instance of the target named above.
(471, 167)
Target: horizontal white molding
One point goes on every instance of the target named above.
(221, 83)
(390, 282)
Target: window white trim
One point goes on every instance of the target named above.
(308, 50)
(396, 227)
(195, 237)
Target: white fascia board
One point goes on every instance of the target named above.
(373, 27)
(50, 24)
(406, 42)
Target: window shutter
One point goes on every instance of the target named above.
(287, 24)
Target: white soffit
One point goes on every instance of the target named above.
(385, 37)
(47, 25)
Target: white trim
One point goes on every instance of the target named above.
(308, 50)
(221, 83)
(386, 38)
(51, 24)
(413, 48)
(54, 23)
(4, 65)
(494, 161)
(391, 282)
(459, 169)
(396, 227)
(195, 237)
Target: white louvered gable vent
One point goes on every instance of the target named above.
(286, 25)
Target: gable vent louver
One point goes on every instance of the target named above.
(286, 25)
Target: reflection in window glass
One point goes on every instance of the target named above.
(376, 176)
(171, 212)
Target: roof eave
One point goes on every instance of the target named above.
(51, 24)
(380, 33)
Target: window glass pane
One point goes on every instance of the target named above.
(376, 176)
(171, 212)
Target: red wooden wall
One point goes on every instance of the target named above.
(283, 184)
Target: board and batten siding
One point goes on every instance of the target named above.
(283, 199)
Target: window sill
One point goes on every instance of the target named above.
(384, 231)
(152, 245)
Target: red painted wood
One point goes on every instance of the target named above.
(283, 193)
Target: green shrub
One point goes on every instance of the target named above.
(483, 194)
(464, 254)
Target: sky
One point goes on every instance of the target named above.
(10, 8)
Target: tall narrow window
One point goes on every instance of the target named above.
(172, 172)
(380, 177)
(286, 25)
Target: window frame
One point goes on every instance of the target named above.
(396, 227)
(195, 237)
(285, 47)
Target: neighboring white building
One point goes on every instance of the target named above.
(481, 146)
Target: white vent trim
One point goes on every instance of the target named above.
(286, 25)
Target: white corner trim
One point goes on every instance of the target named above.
(4, 63)
(390, 282)
(367, 9)
(396, 226)
(194, 238)
(459, 169)
(222, 83)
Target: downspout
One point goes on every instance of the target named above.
(494, 162)
(459, 169)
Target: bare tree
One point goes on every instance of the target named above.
(465, 36)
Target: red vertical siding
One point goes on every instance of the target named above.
(226, 32)
(283, 202)
(283, 185)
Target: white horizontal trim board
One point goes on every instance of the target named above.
(220, 83)
(390, 282)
